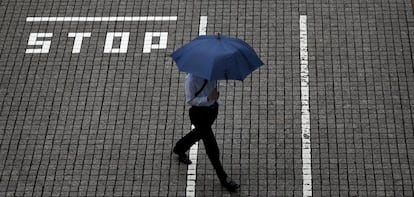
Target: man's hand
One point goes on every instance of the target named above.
(213, 95)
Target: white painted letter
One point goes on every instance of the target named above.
(110, 40)
(34, 42)
(148, 45)
(78, 40)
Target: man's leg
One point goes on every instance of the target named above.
(185, 143)
(213, 153)
(203, 121)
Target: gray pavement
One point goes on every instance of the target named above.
(103, 124)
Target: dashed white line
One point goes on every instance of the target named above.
(306, 143)
(192, 168)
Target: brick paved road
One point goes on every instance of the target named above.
(363, 141)
(103, 124)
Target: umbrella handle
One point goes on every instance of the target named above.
(218, 35)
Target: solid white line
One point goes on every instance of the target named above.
(192, 168)
(203, 26)
(101, 19)
(306, 143)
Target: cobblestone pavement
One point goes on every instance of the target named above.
(86, 116)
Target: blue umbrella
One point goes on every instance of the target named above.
(217, 57)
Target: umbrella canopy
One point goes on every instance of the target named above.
(217, 57)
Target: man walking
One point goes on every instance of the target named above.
(202, 95)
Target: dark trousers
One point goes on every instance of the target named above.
(202, 118)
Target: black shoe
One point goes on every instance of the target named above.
(183, 158)
(230, 184)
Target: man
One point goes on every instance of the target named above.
(202, 95)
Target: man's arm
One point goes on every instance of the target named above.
(191, 89)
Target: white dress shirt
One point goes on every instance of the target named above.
(192, 85)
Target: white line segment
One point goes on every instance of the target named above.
(101, 19)
(203, 26)
(192, 168)
(306, 143)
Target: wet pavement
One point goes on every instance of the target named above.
(91, 103)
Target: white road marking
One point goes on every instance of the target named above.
(101, 19)
(148, 45)
(203, 26)
(306, 143)
(78, 40)
(44, 43)
(110, 39)
(192, 168)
